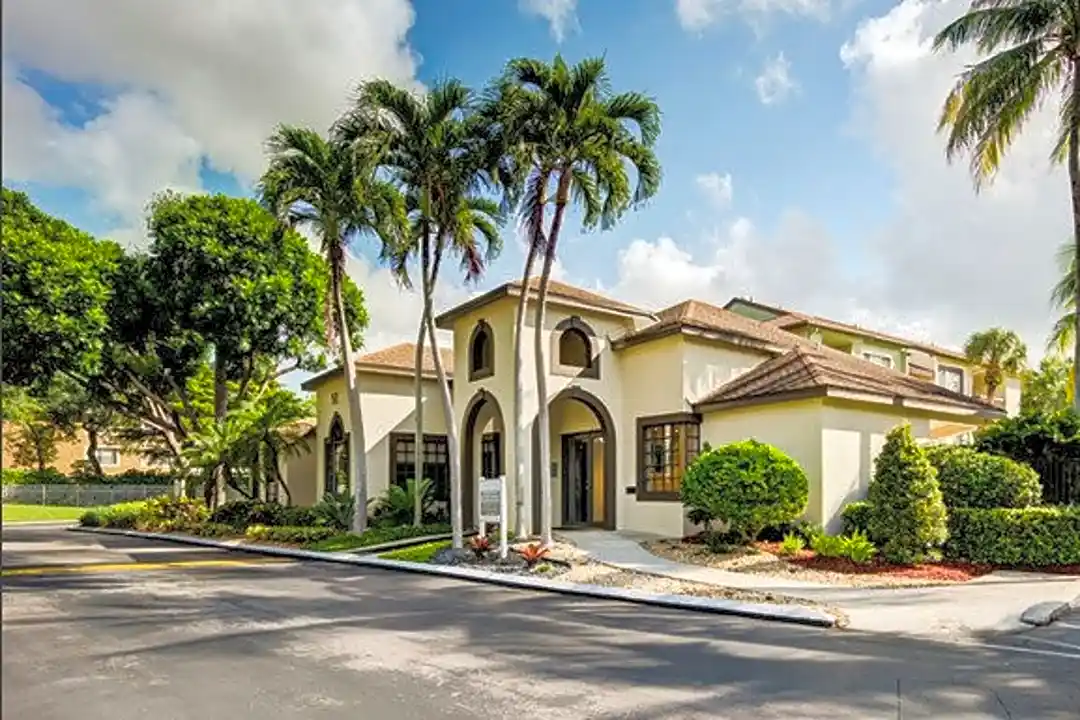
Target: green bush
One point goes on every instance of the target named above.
(336, 511)
(396, 506)
(213, 530)
(241, 513)
(298, 515)
(908, 514)
(858, 548)
(969, 478)
(1036, 536)
(288, 534)
(21, 476)
(90, 518)
(123, 516)
(747, 484)
(378, 536)
(417, 553)
(828, 546)
(177, 511)
(792, 544)
(856, 517)
(1046, 442)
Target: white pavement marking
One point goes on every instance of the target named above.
(1058, 643)
(1029, 651)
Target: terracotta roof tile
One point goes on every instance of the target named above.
(702, 315)
(806, 369)
(402, 357)
(581, 295)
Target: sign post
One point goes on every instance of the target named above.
(493, 509)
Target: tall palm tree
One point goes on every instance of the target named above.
(433, 148)
(1030, 52)
(1063, 299)
(999, 352)
(319, 183)
(580, 140)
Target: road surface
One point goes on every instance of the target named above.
(123, 629)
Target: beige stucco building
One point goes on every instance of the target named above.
(634, 394)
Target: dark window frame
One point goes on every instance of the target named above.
(441, 490)
(486, 368)
(691, 449)
(491, 454)
(581, 328)
(336, 437)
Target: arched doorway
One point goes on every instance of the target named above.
(336, 458)
(583, 453)
(483, 448)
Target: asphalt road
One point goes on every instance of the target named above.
(155, 630)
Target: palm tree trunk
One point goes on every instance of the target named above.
(418, 387)
(454, 456)
(221, 407)
(92, 448)
(543, 416)
(1074, 184)
(357, 444)
(523, 522)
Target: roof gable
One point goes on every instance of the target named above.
(393, 360)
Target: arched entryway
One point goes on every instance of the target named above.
(483, 448)
(583, 453)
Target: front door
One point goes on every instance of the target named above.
(582, 453)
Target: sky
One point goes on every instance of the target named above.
(801, 161)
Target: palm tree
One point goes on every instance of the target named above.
(434, 149)
(577, 140)
(1030, 52)
(319, 183)
(1000, 352)
(1063, 299)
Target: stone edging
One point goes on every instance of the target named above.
(1047, 613)
(795, 614)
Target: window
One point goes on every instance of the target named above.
(436, 467)
(490, 455)
(574, 349)
(951, 378)
(666, 447)
(108, 457)
(336, 458)
(878, 359)
(481, 352)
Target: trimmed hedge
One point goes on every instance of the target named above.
(748, 484)
(1036, 536)
(856, 517)
(973, 479)
(289, 534)
(377, 536)
(21, 476)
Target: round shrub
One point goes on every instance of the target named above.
(748, 485)
(856, 517)
(908, 514)
(973, 479)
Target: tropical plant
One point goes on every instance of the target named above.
(533, 553)
(907, 511)
(1063, 299)
(1028, 52)
(828, 545)
(336, 510)
(396, 506)
(1049, 388)
(480, 545)
(999, 352)
(570, 139)
(324, 185)
(433, 148)
(792, 544)
(858, 548)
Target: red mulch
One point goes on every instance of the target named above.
(942, 571)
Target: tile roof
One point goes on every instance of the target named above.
(402, 357)
(703, 316)
(805, 370)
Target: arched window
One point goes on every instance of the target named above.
(575, 350)
(336, 458)
(481, 352)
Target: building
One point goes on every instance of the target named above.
(71, 453)
(634, 394)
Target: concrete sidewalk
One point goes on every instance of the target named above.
(990, 604)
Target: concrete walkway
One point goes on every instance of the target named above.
(987, 605)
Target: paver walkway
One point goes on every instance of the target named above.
(990, 604)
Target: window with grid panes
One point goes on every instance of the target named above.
(667, 449)
(436, 463)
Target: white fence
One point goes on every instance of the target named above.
(81, 495)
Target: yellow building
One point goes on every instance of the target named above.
(633, 395)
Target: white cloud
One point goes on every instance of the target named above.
(944, 263)
(774, 84)
(717, 188)
(560, 14)
(696, 15)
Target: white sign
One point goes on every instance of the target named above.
(493, 509)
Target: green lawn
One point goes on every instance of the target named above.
(28, 513)
(417, 553)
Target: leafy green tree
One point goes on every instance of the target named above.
(54, 294)
(1029, 53)
(324, 185)
(572, 139)
(999, 352)
(32, 434)
(908, 511)
(433, 148)
(1047, 390)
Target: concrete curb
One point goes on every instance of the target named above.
(1047, 613)
(793, 614)
(39, 523)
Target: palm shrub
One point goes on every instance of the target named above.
(336, 510)
(969, 478)
(748, 485)
(908, 513)
(398, 505)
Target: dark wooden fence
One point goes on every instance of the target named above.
(1060, 479)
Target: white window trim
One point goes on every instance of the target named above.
(874, 357)
(104, 464)
(954, 369)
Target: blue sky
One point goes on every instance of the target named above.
(798, 146)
